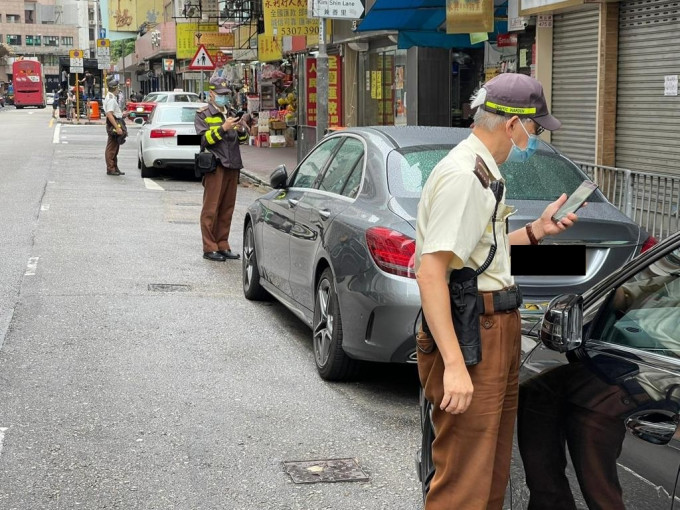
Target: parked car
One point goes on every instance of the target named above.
(168, 139)
(334, 242)
(613, 399)
(144, 107)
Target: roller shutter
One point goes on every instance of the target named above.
(574, 82)
(648, 123)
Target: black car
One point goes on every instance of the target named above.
(599, 396)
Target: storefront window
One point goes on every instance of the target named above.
(383, 92)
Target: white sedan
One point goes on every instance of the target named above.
(168, 138)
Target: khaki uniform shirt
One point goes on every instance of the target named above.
(454, 214)
(111, 105)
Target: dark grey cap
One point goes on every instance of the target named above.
(521, 95)
(112, 83)
(219, 85)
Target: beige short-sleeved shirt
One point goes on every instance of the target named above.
(111, 105)
(455, 211)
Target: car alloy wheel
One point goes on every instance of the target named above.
(331, 360)
(251, 274)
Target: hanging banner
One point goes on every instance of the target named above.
(469, 16)
(289, 17)
(269, 48)
(334, 91)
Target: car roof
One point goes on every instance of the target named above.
(412, 136)
(180, 104)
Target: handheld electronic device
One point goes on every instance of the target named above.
(576, 200)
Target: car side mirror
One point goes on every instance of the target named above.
(279, 177)
(562, 325)
(139, 121)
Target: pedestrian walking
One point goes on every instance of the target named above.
(218, 136)
(472, 380)
(55, 104)
(115, 128)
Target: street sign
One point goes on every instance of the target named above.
(103, 62)
(76, 64)
(202, 60)
(103, 47)
(332, 9)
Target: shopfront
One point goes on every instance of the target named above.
(383, 93)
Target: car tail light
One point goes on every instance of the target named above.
(392, 251)
(651, 241)
(162, 133)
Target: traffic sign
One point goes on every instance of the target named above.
(349, 9)
(76, 64)
(103, 62)
(202, 60)
(103, 47)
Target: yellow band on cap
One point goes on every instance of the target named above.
(510, 109)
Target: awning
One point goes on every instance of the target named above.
(423, 23)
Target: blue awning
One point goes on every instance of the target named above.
(432, 39)
(404, 15)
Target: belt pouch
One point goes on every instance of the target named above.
(465, 312)
(204, 163)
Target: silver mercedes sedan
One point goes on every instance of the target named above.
(334, 241)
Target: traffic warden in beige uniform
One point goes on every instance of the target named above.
(474, 406)
(219, 133)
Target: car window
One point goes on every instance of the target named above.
(309, 170)
(644, 312)
(341, 166)
(354, 182)
(161, 98)
(181, 98)
(177, 115)
(545, 176)
(150, 98)
(193, 98)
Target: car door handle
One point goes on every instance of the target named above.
(324, 213)
(293, 202)
(655, 426)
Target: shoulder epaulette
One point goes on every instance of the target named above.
(201, 110)
(482, 172)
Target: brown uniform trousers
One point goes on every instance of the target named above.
(219, 199)
(111, 154)
(471, 451)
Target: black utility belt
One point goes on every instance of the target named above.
(503, 300)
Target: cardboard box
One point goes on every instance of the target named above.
(277, 124)
(277, 141)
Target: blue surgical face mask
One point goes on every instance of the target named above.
(222, 100)
(517, 155)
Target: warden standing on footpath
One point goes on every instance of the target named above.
(218, 136)
(475, 404)
(115, 128)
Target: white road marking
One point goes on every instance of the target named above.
(64, 142)
(2, 437)
(32, 266)
(57, 130)
(150, 184)
(45, 207)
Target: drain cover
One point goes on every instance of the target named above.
(327, 470)
(169, 287)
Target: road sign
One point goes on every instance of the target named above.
(103, 47)
(349, 9)
(76, 64)
(127, 81)
(202, 60)
(103, 62)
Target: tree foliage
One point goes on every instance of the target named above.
(122, 48)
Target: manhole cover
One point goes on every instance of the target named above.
(328, 470)
(169, 287)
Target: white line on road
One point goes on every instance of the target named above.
(57, 130)
(31, 266)
(153, 185)
(2, 437)
(45, 207)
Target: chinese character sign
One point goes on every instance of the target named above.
(289, 17)
(268, 48)
(334, 91)
(469, 16)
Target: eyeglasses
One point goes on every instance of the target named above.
(539, 129)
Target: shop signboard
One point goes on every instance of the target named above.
(528, 7)
(469, 16)
(334, 9)
(334, 91)
(168, 65)
(289, 17)
(188, 40)
(269, 48)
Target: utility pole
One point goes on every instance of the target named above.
(321, 83)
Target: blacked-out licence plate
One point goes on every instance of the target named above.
(188, 140)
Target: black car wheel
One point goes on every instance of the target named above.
(332, 362)
(251, 274)
(147, 172)
(139, 162)
(425, 464)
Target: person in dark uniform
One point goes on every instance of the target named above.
(475, 400)
(219, 131)
(89, 82)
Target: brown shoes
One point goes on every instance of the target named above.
(117, 172)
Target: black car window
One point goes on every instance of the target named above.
(181, 98)
(354, 182)
(341, 166)
(545, 176)
(311, 167)
(644, 312)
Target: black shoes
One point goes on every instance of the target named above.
(214, 255)
(228, 254)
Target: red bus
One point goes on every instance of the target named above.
(29, 84)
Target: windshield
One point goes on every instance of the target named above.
(545, 176)
(177, 115)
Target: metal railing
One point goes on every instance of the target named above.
(652, 200)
